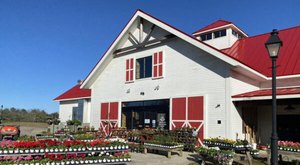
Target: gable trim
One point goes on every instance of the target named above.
(184, 36)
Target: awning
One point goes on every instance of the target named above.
(266, 94)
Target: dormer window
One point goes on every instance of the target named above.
(207, 36)
(220, 33)
(236, 34)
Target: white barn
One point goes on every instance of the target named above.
(218, 80)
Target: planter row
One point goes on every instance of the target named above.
(33, 151)
(72, 162)
(289, 149)
(229, 146)
(163, 146)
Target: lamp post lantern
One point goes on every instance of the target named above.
(273, 45)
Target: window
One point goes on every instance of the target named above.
(207, 36)
(144, 67)
(220, 33)
(235, 33)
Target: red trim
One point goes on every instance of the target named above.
(268, 92)
(216, 24)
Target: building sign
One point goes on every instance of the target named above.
(147, 121)
(161, 117)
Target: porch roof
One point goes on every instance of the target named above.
(265, 94)
(74, 93)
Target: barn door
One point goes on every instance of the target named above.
(109, 117)
(189, 112)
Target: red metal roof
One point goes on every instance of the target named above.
(213, 25)
(268, 92)
(74, 93)
(251, 52)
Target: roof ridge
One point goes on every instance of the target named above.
(270, 32)
(213, 24)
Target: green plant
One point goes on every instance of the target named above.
(70, 122)
(296, 162)
(218, 156)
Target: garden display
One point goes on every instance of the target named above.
(289, 146)
(224, 157)
(54, 152)
(228, 144)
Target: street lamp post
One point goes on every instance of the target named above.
(273, 45)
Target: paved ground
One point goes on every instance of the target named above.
(31, 131)
(160, 159)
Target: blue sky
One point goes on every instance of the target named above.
(47, 45)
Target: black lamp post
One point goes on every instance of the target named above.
(273, 46)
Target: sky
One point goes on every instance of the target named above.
(47, 45)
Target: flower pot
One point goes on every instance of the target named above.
(42, 150)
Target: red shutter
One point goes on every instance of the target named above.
(158, 64)
(129, 69)
(104, 111)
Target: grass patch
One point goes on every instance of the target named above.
(28, 124)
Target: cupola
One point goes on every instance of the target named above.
(220, 34)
